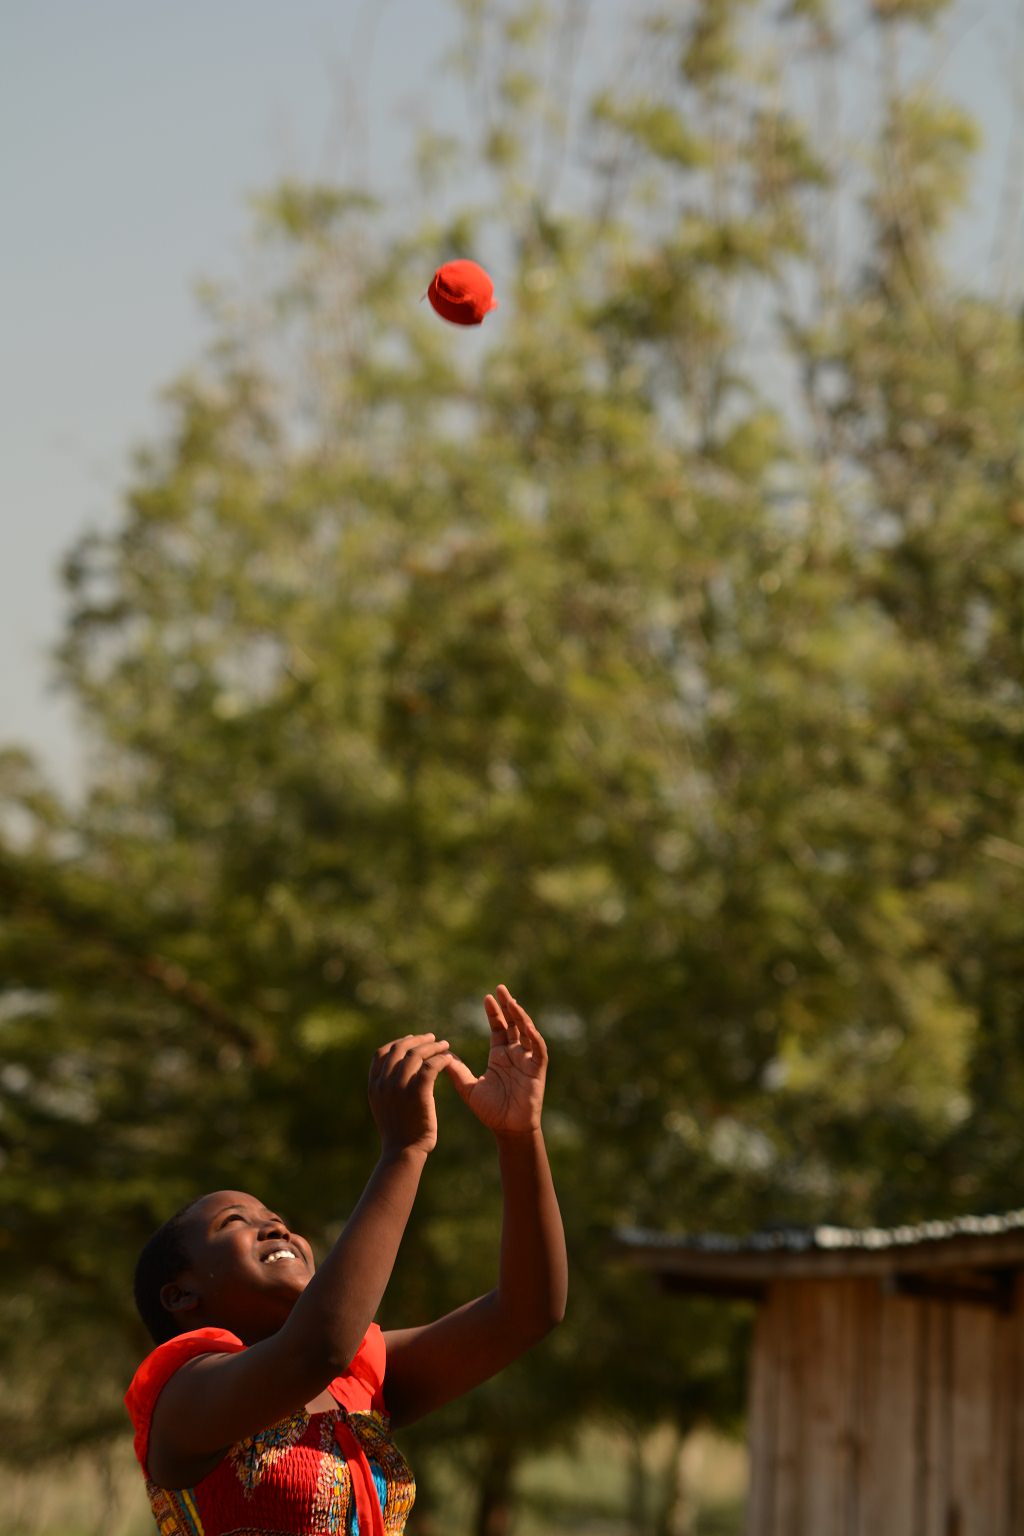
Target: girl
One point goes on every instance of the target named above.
(267, 1404)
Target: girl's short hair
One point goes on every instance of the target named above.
(163, 1258)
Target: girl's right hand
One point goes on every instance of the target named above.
(402, 1078)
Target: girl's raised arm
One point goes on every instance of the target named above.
(430, 1365)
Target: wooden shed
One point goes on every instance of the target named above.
(887, 1377)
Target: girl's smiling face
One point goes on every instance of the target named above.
(247, 1267)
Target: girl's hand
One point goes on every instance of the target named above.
(402, 1078)
(509, 1096)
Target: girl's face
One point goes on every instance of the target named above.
(247, 1267)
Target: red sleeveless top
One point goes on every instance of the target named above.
(335, 1473)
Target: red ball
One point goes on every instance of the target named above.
(462, 292)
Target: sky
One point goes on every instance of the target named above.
(132, 133)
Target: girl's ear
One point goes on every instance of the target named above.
(175, 1297)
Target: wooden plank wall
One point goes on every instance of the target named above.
(880, 1415)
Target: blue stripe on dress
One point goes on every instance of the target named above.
(381, 1484)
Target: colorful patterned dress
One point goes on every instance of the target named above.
(336, 1473)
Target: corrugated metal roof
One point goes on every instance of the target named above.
(825, 1238)
(962, 1242)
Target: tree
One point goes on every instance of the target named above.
(675, 682)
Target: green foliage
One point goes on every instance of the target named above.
(711, 51)
(298, 209)
(655, 126)
(675, 681)
(922, 182)
(921, 11)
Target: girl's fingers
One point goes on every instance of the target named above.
(512, 1027)
(496, 1019)
(409, 1045)
(534, 1039)
(401, 1060)
(417, 1057)
(538, 1044)
(465, 1080)
(514, 1010)
(434, 1064)
(528, 1031)
(508, 1016)
(529, 1034)
(394, 1050)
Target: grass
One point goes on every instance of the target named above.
(99, 1494)
(613, 1485)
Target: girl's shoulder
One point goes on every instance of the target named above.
(160, 1365)
(359, 1388)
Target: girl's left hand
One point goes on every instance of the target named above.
(508, 1097)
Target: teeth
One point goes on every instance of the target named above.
(282, 1253)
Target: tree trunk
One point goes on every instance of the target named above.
(494, 1506)
(678, 1514)
(427, 1521)
(638, 1480)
